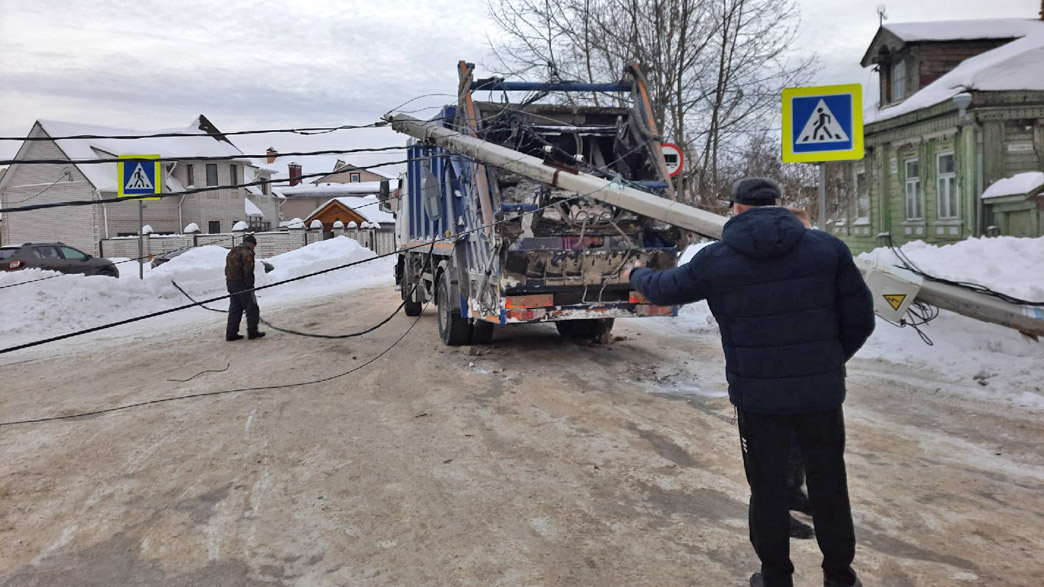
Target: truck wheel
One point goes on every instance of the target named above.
(481, 332)
(454, 329)
(411, 307)
(596, 329)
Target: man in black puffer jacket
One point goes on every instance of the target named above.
(792, 308)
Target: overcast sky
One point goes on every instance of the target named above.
(264, 64)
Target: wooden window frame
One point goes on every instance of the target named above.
(914, 183)
(952, 195)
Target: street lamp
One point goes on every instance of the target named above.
(962, 101)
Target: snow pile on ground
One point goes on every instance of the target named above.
(326, 255)
(983, 361)
(47, 304)
(990, 362)
(200, 271)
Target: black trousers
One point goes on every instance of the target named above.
(242, 300)
(766, 443)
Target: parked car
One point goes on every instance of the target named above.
(161, 259)
(54, 257)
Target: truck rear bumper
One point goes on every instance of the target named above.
(583, 312)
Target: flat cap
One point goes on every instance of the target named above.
(756, 191)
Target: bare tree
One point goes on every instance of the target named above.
(715, 67)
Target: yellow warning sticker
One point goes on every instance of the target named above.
(895, 300)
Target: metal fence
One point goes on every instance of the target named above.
(269, 244)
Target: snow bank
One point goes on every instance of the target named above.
(985, 362)
(62, 304)
(325, 255)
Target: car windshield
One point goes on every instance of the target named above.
(7, 253)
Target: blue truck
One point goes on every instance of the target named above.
(494, 247)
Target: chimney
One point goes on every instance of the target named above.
(272, 154)
(295, 174)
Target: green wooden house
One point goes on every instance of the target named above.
(961, 110)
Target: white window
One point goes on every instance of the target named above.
(914, 205)
(354, 178)
(862, 196)
(899, 80)
(947, 193)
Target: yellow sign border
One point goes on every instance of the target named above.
(157, 184)
(855, 153)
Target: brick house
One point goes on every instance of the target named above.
(303, 200)
(85, 226)
(961, 109)
(346, 173)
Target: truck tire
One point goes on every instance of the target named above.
(481, 332)
(596, 329)
(411, 307)
(454, 329)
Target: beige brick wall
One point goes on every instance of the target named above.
(32, 184)
(85, 226)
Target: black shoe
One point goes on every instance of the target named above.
(757, 580)
(254, 335)
(800, 530)
(234, 337)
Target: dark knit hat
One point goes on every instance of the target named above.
(250, 239)
(756, 191)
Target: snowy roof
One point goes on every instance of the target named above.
(103, 176)
(365, 206)
(330, 190)
(1016, 185)
(251, 209)
(894, 37)
(1013, 66)
(964, 30)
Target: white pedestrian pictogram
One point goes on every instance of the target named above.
(139, 180)
(822, 127)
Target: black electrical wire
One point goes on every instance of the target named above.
(300, 131)
(971, 286)
(178, 308)
(232, 238)
(222, 297)
(64, 175)
(214, 393)
(308, 334)
(920, 314)
(207, 394)
(197, 158)
(227, 365)
(186, 192)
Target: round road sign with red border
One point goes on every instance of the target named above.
(672, 154)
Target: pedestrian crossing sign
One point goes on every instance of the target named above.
(138, 175)
(823, 123)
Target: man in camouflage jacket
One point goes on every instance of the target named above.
(239, 275)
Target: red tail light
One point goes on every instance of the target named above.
(15, 264)
(650, 310)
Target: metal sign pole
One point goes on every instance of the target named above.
(141, 252)
(822, 197)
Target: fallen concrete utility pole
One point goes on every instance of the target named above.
(894, 288)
